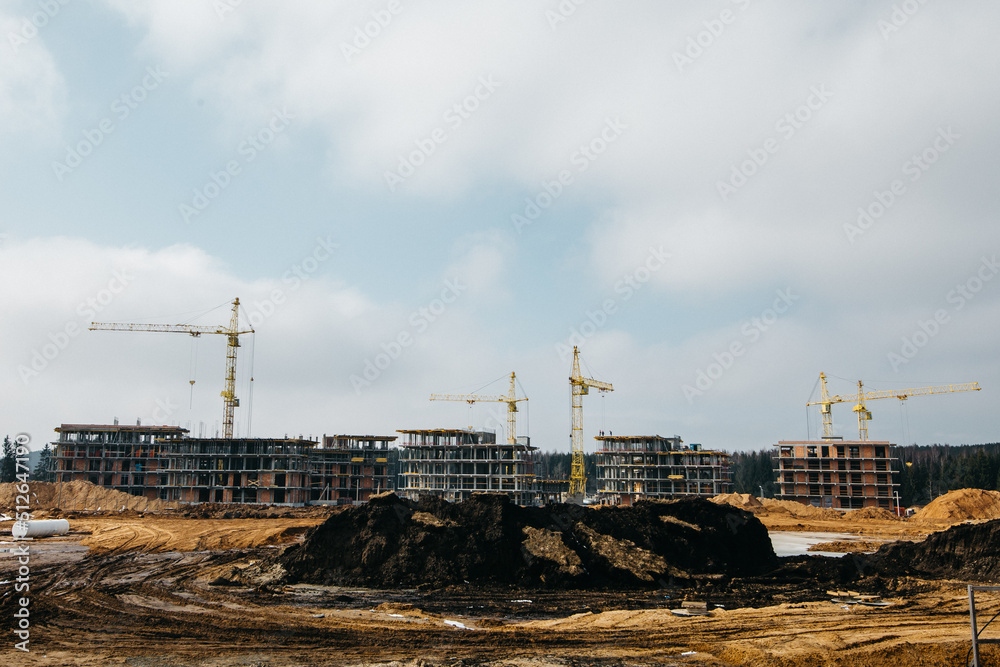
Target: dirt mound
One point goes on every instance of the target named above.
(847, 546)
(745, 501)
(966, 551)
(158, 534)
(961, 505)
(79, 496)
(240, 511)
(800, 509)
(872, 514)
(487, 540)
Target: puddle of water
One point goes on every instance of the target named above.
(793, 543)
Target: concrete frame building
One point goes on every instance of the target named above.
(131, 459)
(633, 467)
(834, 473)
(455, 463)
(237, 470)
(160, 462)
(351, 468)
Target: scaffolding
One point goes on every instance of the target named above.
(350, 469)
(159, 462)
(162, 463)
(455, 463)
(839, 474)
(125, 458)
(633, 467)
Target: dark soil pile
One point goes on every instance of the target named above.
(239, 511)
(965, 551)
(489, 541)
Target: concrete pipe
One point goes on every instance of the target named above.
(40, 528)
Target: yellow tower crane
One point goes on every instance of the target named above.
(864, 414)
(510, 399)
(580, 387)
(232, 333)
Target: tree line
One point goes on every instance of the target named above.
(8, 464)
(928, 471)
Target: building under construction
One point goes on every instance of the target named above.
(351, 469)
(132, 459)
(455, 463)
(630, 468)
(840, 474)
(160, 462)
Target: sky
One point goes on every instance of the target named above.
(715, 201)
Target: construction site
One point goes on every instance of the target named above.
(164, 463)
(443, 547)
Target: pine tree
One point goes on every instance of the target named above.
(8, 466)
(42, 472)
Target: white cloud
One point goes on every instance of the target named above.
(32, 90)
(312, 334)
(655, 184)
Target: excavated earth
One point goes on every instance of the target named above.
(488, 583)
(488, 540)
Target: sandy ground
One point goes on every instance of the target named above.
(886, 530)
(139, 591)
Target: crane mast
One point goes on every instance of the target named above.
(510, 399)
(579, 387)
(864, 414)
(232, 333)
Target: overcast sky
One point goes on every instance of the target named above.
(714, 200)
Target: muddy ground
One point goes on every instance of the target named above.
(159, 590)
